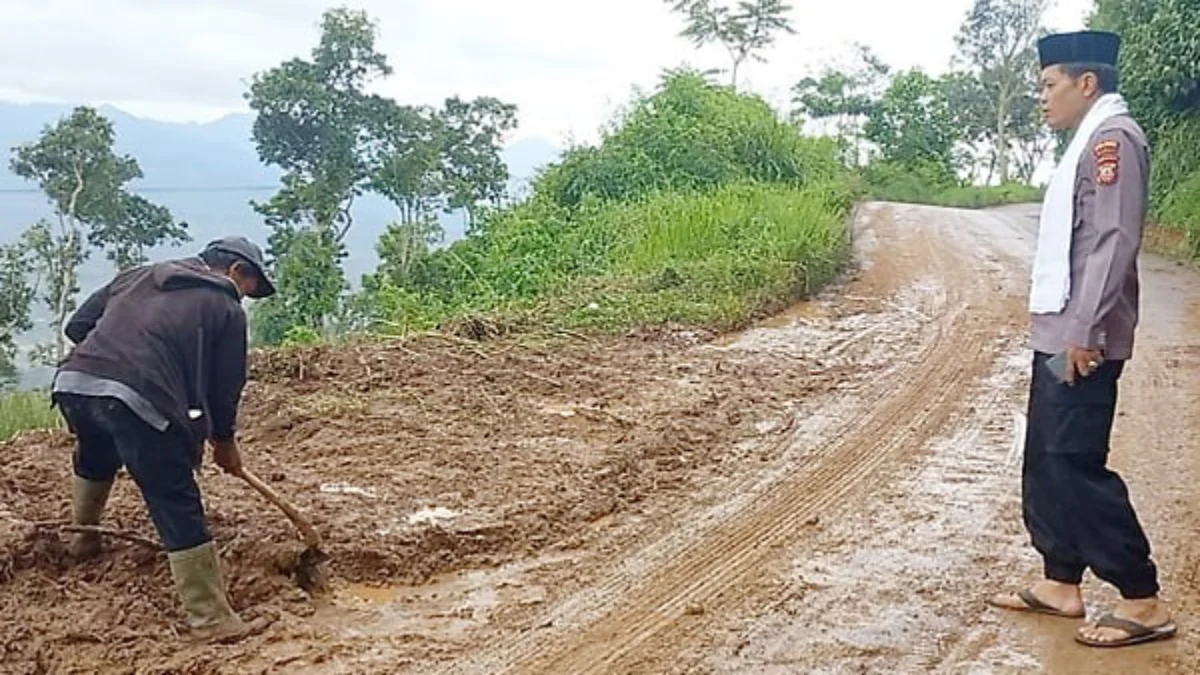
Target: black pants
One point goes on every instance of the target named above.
(1077, 511)
(109, 435)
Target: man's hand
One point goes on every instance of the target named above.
(227, 456)
(1082, 361)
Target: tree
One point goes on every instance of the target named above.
(315, 286)
(408, 160)
(974, 118)
(1122, 16)
(473, 167)
(55, 257)
(314, 120)
(745, 31)
(913, 125)
(15, 296)
(402, 248)
(1033, 141)
(1160, 77)
(998, 44)
(429, 159)
(1160, 58)
(847, 97)
(136, 225)
(74, 164)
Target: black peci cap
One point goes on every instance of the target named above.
(1087, 46)
(252, 254)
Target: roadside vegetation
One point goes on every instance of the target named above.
(1160, 67)
(22, 411)
(698, 206)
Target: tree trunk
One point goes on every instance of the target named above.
(737, 62)
(65, 271)
(1002, 149)
(991, 171)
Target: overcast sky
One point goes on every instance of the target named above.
(565, 63)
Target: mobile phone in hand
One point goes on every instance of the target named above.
(1057, 365)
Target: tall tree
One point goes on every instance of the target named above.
(974, 118)
(845, 97)
(315, 286)
(745, 30)
(54, 254)
(1032, 140)
(15, 296)
(913, 125)
(314, 121)
(402, 248)
(449, 159)
(473, 166)
(74, 164)
(408, 160)
(136, 225)
(998, 44)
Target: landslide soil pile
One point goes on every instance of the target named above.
(413, 458)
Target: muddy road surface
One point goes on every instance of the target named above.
(834, 490)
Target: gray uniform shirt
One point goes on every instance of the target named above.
(1111, 198)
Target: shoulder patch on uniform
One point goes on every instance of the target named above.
(1108, 161)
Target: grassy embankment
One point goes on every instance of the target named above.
(699, 206)
(964, 196)
(921, 185)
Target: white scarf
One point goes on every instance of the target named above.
(1052, 265)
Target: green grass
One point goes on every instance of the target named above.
(963, 197)
(937, 186)
(978, 197)
(23, 411)
(715, 258)
(1181, 210)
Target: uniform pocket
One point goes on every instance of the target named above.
(1081, 415)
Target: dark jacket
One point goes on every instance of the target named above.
(173, 331)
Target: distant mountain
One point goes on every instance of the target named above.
(206, 174)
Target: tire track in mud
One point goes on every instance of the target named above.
(893, 419)
(714, 565)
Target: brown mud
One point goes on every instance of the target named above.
(833, 491)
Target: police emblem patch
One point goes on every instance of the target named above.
(1108, 161)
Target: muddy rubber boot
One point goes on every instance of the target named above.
(88, 498)
(197, 575)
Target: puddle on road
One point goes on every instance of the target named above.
(445, 609)
(795, 314)
(872, 338)
(803, 313)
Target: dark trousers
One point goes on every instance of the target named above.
(109, 435)
(1077, 511)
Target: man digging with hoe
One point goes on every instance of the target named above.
(1084, 302)
(158, 368)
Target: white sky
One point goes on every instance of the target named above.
(565, 63)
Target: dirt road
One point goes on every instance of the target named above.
(833, 491)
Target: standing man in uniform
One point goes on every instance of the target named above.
(1084, 306)
(158, 369)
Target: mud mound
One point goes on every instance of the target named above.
(413, 458)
